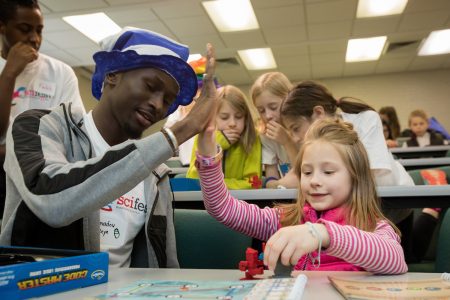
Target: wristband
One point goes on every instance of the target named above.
(208, 161)
(271, 178)
(315, 233)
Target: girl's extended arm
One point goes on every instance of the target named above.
(378, 252)
(239, 215)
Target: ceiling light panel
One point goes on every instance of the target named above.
(365, 49)
(95, 26)
(438, 42)
(258, 59)
(231, 15)
(378, 8)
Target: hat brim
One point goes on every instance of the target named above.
(116, 61)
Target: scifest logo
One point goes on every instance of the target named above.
(125, 202)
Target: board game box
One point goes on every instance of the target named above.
(33, 272)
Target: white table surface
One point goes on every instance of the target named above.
(317, 288)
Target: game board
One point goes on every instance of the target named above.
(195, 289)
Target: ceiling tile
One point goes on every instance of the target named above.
(190, 26)
(428, 62)
(64, 56)
(420, 5)
(424, 20)
(244, 39)
(293, 62)
(297, 74)
(70, 5)
(285, 35)
(295, 30)
(132, 15)
(233, 76)
(54, 25)
(128, 2)
(375, 26)
(327, 71)
(197, 44)
(178, 9)
(360, 68)
(156, 26)
(84, 55)
(69, 38)
(272, 3)
(396, 65)
(329, 30)
(327, 46)
(393, 65)
(331, 11)
(280, 16)
(327, 58)
(290, 50)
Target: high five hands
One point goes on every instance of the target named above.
(202, 115)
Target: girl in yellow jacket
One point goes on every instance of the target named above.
(236, 134)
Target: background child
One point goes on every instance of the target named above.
(236, 134)
(268, 92)
(337, 210)
(421, 135)
(389, 114)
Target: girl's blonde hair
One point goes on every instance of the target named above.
(363, 204)
(418, 113)
(237, 100)
(275, 82)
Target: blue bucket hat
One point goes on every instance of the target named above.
(134, 48)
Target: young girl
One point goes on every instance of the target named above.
(336, 223)
(389, 114)
(236, 134)
(268, 92)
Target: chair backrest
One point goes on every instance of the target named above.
(204, 243)
(418, 179)
(181, 184)
(443, 245)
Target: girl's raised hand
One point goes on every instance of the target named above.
(206, 137)
(232, 135)
(290, 243)
(277, 132)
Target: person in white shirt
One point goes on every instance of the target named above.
(28, 79)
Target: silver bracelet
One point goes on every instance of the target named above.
(172, 137)
(315, 233)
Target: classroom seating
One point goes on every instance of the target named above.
(443, 247)
(418, 180)
(434, 253)
(180, 183)
(204, 243)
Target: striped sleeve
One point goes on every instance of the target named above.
(239, 215)
(379, 252)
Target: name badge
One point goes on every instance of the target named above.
(46, 88)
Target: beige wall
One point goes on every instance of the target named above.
(428, 90)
